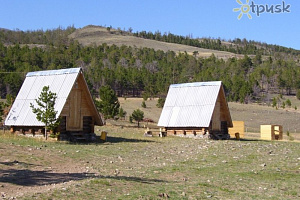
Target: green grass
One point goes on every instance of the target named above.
(131, 166)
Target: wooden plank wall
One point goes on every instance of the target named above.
(77, 106)
(271, 132)
(216, 118)
(238, 127)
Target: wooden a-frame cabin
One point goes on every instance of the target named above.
(74, 103)
(196, 108)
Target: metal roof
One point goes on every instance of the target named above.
(59, 82)
(190, 104)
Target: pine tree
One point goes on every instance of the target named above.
(122, 113)
(45, 111)
(138, 116)
(109, 103)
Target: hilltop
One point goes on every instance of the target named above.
(96, 35)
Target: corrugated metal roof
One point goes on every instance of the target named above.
(190, 104)
(54, 72)
(59, 82)
(197, 84)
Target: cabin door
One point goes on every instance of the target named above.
(74, 119)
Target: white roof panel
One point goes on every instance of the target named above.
(26, 87)
(190, 104)
(68, 83)
(14, 112)
(59, 82)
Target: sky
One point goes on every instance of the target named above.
(198, 18)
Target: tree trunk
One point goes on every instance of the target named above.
(46, 132)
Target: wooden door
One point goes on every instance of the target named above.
(74, 119)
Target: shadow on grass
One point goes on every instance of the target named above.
(134, 179)
(121, 139)
(109, 140)
(38, 178)
(15, 162)
(251, 140)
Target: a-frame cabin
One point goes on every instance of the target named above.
(74, 103)
(196, 108)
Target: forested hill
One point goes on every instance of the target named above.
(133, 70)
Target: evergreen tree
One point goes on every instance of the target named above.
(122, 113)
(144, 104)
(45, 112)
(109, 103)
(138, 116)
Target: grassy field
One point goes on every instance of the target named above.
(131, 166)
(94, 35)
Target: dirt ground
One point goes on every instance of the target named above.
(36, 170)
(31, 169)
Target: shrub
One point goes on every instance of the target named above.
(283, 105)
(288, 103)
(274, 102)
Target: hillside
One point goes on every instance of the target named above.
(96, 35)
(134, 64)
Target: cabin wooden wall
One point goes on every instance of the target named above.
(238, 127)
(220, 112)
(216, 118)
(78, 107)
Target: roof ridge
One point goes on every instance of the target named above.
(197, 84)
(54, 72)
